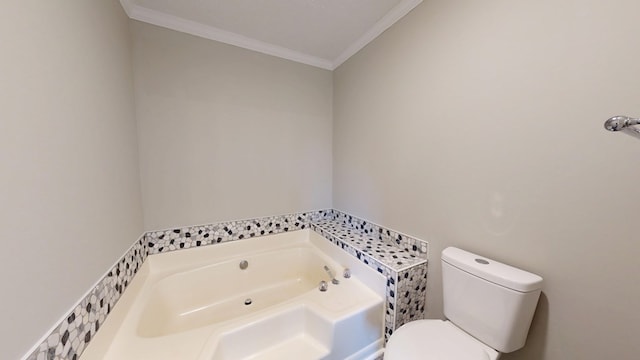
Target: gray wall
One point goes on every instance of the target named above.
(69, 191)
(478, 124)
(227, 133)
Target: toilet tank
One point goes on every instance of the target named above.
(491, 301)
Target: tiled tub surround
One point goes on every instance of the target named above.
(167, 313)
(400, 258)
(70, 337)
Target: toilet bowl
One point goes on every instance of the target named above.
(437, 340)
(488, 305)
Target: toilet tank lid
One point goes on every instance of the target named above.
(491, 270)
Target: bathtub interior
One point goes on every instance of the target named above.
(190, 305)
(223, 291)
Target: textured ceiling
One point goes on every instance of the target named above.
(322, 33)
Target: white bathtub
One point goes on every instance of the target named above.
(190, 304)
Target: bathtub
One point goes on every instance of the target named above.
(199, 304)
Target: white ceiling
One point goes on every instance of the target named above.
(322, 33)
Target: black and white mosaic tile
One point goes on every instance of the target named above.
(409, 244)
(69, 339)
(401, 259)
(194, 236)
(389, 274)
(411, 295)
(405, 268)
(388, 253)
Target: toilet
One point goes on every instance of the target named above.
(488, 306)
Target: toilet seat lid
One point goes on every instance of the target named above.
(435, 340)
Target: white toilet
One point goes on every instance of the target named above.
(489, 307)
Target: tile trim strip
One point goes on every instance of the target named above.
(71, 335)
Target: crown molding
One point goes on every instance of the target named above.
(397, 13)
(158, 18)
(212, 33)
(126, 5)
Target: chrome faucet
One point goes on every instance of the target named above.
(323, 286)
(334, 281)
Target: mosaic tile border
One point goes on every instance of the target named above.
(412, 245)
(71, 336)
(411, 295)
(406, 288)
(400, 258)
(203, 235)
(389, 254)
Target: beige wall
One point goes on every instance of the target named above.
(69, 191)
(474, 124)
(479, 124)
(226, 133)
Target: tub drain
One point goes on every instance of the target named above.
(248, 302)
